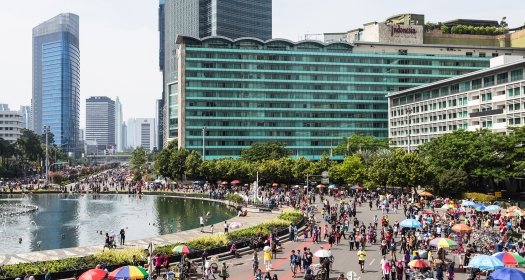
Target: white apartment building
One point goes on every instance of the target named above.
(141, 132)
(10, 125)
(492, 98)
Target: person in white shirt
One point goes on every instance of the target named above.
(201, 221)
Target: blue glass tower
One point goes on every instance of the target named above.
(56, 79)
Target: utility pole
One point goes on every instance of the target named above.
(203, 143)
(46, 131)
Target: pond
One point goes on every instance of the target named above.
(74, 220)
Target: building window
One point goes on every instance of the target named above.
(488, 81)
(468, 54)
(516, 75)
(495, 54)
(482, 54)
(503, 78)
(476, 83)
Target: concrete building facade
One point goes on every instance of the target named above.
(492, 98)
(10, 125)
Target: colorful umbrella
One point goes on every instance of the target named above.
(320, 186)
(418, 264)
(480, 208)
(235, 182)
(443, 243)
(468, 203)
(357, 188)
(425, 193)
(182, 249)
(492, 208)
(275, 185)
(513, 208)
(410, 223)
(484, 262)
(224, 183)
(507, 274)
(129, 272)
(510, 259)
(93, 274)
(517, 213)
(461, 228)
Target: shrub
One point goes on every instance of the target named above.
(121, 256)
(480, 197)
(291, 215)
(208, 241)
(235, 198)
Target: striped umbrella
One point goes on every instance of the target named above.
(182, 249)
(509, 259)
(129, 272)
(443, 243)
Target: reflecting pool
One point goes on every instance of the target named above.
(73, 220)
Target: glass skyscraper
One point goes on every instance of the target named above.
(56, 79)
(202, 18)
(306, 94)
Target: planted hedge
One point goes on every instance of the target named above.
(480, 197)
(113, 258)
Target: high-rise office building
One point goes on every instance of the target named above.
(202, 18)
(141, 133)
(100, 121)
(56, 79)
(27, 119)
(119, 136)
(4, 107)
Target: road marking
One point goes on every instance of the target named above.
(372, 261)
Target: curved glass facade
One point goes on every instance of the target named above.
(308, 95)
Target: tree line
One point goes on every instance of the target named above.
(450, 164)
(26, 155)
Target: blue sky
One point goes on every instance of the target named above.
(119, 38)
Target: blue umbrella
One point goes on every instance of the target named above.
(492, 208)
(484, 262)
(410, 223)
(507, 274)
(332, 186)
(468, 203)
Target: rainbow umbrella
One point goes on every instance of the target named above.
(509, 259)
(443, 243)
(129, 272)
(182, 249)
(93, 274)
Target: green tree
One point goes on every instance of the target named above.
(445, 29)
(265, 151)
(162, 160)
(193, 164)
(178, 163)
(301, 167)
(451, 182)
(138, 163)
(358, 142)
(350, 171)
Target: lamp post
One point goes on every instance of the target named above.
(203, 143)
(409, 113)
(46, 131)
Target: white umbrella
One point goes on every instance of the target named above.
(266, 248)
(446, 206)
(322, 253)
(235, 225)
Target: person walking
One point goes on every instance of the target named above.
(293, 262)
(267, 258)
(122, 236)
(361, 256)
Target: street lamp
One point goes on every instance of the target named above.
(408, 111)
(203, 143)
(46, 131)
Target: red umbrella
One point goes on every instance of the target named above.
(93, 274)
(235, 182)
